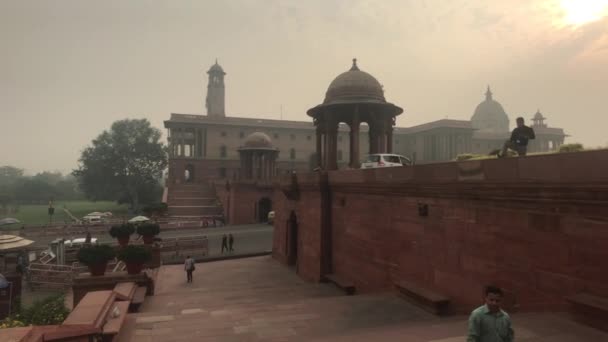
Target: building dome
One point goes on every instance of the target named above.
(489, 116)
(216, 69)
(538, 116)
(258, 140)
(354, 85)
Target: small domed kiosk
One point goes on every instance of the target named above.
(258, 157)
(352, 98)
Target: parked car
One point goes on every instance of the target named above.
(385, 160)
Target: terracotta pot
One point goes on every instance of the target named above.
(148, 239)
(134, 267)
(123, 240)
(98, 269)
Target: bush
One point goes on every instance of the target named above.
(95, 255)
(134, 254)
(148, 229)
(123, 230)
(576, 147)
(155, 209)
(49, 311)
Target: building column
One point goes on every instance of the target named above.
(319, 136)
(389, 138)
(373, 137)
(354, 140)
(332, 144)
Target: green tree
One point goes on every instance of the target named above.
(123, 163)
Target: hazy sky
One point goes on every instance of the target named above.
(68, 69)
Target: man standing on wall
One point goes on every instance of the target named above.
(489, 323)
(230, 242)
(519, 139)
(224, 243)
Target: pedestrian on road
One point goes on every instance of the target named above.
(189, 268)
(224, 243)
(230, 242)
(489, 323)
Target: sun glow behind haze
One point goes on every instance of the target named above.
(580, 12)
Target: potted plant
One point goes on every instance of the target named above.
(122, 233)
(134, 258)
(96, 257)
(148, 231)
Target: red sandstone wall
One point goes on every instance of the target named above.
(240, 202)
(536, 226)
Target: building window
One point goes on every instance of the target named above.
(223, 151)
(276, 135)
(293, 137)
(397, 142)
(242, 135)
(222, 172)
(339, 154)
(292, 153)
(308, 137)
(223, 134)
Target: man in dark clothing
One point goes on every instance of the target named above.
(224, 243)
(230, 242)
(519, 139)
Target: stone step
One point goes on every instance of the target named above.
(194, 210)
(192, 201)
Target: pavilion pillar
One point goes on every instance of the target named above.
(389, 137)
(332, 144)
(373, 137)
(354, 140)
(319, 136)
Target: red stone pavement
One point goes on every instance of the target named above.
(257, 299)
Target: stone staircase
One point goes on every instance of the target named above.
(192, 201)
(252, 303)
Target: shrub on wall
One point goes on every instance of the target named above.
(576, 147)
(122, 230)
(48, 311)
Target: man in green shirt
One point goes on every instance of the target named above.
(489, 323)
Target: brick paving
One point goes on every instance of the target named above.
(257, 299)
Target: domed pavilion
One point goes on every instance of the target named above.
(258, 157)
(354, 97)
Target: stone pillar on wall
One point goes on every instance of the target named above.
(332, 144)
(319, 136)
(354, 141)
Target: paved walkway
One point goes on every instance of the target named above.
(257, 299)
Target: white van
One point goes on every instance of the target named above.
(377, 160)
(92, 219)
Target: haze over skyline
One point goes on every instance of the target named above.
(71, 68)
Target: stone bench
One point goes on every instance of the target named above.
(125, 291)
(590, 310)
(427, 299)
(99, 310)
(115, 320)
(131, 293)
(92, 310)
(343, 283)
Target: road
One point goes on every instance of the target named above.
(251, 238)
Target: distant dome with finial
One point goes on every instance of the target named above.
(490, 116)
(216, 68)
(354, 85)
(258, 140)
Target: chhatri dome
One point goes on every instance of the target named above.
(490, 116)
(354, 85)
(258, 140)
(216, 68)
